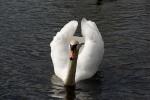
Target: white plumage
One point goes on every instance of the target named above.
(89, 57)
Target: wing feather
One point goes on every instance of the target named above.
(60, 47)
(92, 52)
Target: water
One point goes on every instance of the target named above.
(27, 27)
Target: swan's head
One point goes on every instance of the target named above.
(74, 47)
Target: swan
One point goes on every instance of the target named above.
(77, 58)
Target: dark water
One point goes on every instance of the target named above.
(27, 27)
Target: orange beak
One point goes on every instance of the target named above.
(72, 55)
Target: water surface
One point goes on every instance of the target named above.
(27, 27)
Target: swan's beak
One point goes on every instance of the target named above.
(73, 52)
(73, 56)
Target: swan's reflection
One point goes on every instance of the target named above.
(85, 90)
(58, 90)
(70, 92)
(100, 2)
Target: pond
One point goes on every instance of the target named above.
(28, 26)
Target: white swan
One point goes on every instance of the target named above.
(72, 61)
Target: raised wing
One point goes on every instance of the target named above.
(60, 48)
(92, 53)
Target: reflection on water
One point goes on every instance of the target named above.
(100, 2)
(27, 27)
(84, 90)
(70, 93)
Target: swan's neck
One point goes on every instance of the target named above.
(70, 80)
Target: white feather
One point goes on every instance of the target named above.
(90, 56)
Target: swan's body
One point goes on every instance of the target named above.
(89, 56)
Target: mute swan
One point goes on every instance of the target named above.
(73, 61)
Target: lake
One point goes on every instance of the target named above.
(28, 26)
